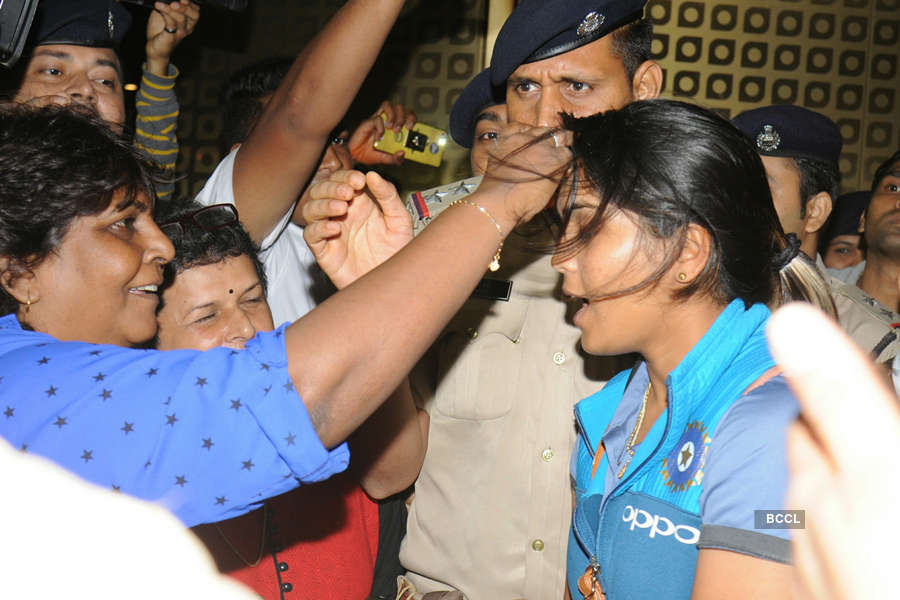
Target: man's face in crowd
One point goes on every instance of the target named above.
(843, 251)
(63, 74)
(881, 222)
(784, 183)
(583, 82)
(488, 124)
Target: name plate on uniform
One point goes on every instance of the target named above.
(493, 289)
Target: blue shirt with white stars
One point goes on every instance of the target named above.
(209, 435)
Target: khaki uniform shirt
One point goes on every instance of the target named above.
(492, 505)
(868, 322)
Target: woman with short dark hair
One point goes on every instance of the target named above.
(209, 434)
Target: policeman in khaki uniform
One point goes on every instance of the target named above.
(796, 144)
(493, 502)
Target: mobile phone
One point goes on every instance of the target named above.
(424, 144)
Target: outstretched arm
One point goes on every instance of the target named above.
(310, 102)
(352, 351)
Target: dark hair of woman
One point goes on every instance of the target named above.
(41, 194)
(670, 165)
(196, 247)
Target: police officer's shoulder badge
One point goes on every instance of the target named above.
(683, 466)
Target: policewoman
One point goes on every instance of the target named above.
(674, 248)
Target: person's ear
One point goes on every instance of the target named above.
(647, 81)
(694, 255)
(862, 223)
(818, 209)
(18, 281)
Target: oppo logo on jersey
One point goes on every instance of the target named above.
(659, 525)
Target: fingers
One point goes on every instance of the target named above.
(180, 18)
(385, 194)
(396, 116)
(839, 390)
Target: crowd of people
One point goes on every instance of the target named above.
(557, 378)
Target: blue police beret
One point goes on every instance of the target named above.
(845, 217)
(477, 95)
(97, 23)
(539, 29)
(791, 131)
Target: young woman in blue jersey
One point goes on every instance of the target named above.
(672, 243)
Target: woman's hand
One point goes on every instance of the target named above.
(167, 26)
(362, 140)
(355, 222)
(844, 460)
(524, 172)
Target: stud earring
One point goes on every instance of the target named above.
(682, 277)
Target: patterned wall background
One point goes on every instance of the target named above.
(839, 57)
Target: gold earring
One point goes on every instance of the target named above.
(682, 277)
(28, 304)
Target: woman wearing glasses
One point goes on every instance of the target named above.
(208, 434)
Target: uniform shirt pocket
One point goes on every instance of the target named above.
(480, 360)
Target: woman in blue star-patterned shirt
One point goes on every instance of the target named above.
(208, 434)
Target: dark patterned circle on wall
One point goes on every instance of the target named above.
(854, 29)
(209, 127)
(884, 66)
(789, 23)
(688, 49)
(849, 97)
(879, 135)
(461, 66)
(849, 130)
(687, 83)
(821, 26)
(724, 17)
(428, 65)
(690, 15)
(852, 63)
(887, 5)
(784, 91)
(467, 32)
(659, 49)
(752, 89)
(754, 54)
(817, 94)
(719, 86)
(659, 11)
(886, 33)
(426, 99)
(848, 164)
(881, 100)
(819, 60)
(787, 57)
(721, 52)
(756, 20)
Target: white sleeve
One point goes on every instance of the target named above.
(219, 189)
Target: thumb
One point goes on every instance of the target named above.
(385, 194)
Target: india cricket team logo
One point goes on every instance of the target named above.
(683, 467)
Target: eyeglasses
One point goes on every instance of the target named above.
(208, 218)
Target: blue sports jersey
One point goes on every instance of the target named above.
(709, 461)
(207, 434)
